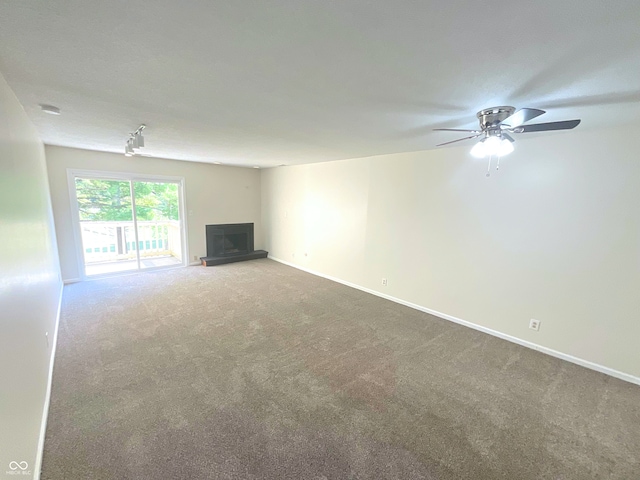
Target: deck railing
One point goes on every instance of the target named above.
(113, 241)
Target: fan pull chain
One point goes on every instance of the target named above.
(498, 166)
(489, 167)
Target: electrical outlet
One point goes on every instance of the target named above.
(195, 258)
(384, 282)
(534, 324)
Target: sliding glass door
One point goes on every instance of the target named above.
(128, 224)
(158, 218)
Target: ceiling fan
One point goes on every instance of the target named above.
(496, 126)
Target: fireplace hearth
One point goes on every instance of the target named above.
(230, 242)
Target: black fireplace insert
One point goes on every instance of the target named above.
(229, 239)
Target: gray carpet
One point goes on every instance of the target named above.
(256, 370)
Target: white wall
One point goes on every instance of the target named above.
(30, 285)
(553, 235)
(214, 194)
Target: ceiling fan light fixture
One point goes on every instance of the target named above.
(497, 124)
(478, 150)
(505, 148)
(492, 146)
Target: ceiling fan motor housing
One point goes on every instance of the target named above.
(490, 118)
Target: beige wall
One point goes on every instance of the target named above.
(214, 194)
(30, 285)
(553, 235)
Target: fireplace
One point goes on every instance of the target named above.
(230, 242)
(229, 239)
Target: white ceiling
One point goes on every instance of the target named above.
(259, 82)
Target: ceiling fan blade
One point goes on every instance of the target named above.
(521, 116)
(507, 136)
(454, 130)
(545, 127)
(459, 140)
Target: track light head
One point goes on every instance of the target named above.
(128, 149)
(138, 141)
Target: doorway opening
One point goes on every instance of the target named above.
(128, 224)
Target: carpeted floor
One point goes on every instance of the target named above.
(256, 370)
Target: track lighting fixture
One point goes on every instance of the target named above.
(135, 142)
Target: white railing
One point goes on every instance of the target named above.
(113, 241)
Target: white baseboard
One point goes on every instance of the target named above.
(70, 280)
(195, 263)
(47, 399)
(554, 353)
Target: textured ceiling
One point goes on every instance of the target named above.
(297, 81)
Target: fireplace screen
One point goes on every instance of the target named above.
(230, 244)
(229, 239)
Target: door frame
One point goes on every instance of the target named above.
(73, 173)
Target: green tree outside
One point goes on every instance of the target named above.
(110, 200)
